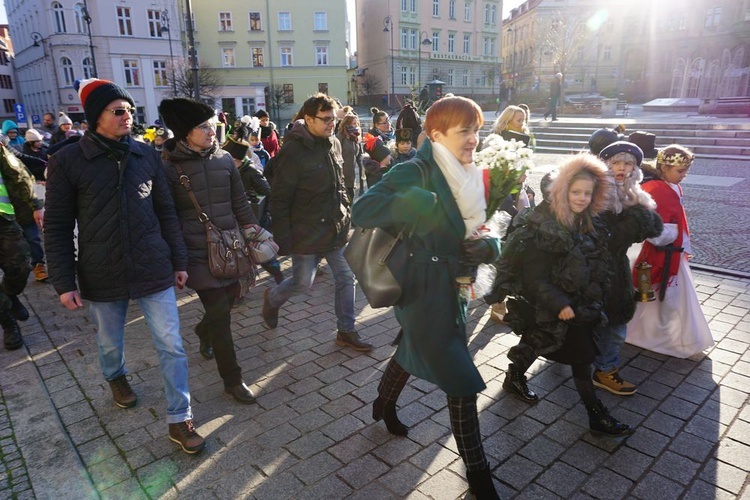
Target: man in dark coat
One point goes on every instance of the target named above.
(129, 246)
(555, 90)
(310, 215)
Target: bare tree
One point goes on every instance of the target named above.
(564, 34)
(279, 100)
(370, 84)
(209, 81)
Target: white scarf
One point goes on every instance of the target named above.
(466, 185)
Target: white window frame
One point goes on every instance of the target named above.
(320, 21)
(321, 55)
(435, 41)
(67, 70)
(161, 77)
(286, 56)
(250, 21)
(155, 23)
(78, 18)
(228, 59)
(404, 38)
(435, 8)
(131, 69)
(467, 43)
(124, 21)
(413, 42)
(451, 43)
(225, 21)
(59, 14)
(88, 68)
(253, 52)
(467, 11)
(465, 78)
(450, 76)
(285, 21)
(451, 9)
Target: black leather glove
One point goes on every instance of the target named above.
(475, 252)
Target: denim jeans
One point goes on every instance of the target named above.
(160, 310)
(31, 233)
(610, 340)
(304, 268)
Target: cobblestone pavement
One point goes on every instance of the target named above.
(311, 435)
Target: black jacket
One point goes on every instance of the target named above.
(218, 188)
(309, 206)
(129, 240)
(632, 225)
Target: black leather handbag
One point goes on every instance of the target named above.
(379, 258)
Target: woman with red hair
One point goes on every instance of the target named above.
(442, 193)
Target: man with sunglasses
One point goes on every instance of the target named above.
(130, 246)
(310, 214)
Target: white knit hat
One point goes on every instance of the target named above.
(33, 135)
(64, 119)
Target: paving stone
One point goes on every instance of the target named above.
(562, 479)
(316, 467)
(396, 450)
(663, 423)
(691, 446)
(309, 444)
(444, 484)
(629, 463)
(518, 471)
(328, 488)
(542, 451)
(434, 458)
(676, 467)
(656, 487)
(606, 484)
(723, 475)
(734, 453)
(283, 485)
(700, 490)
(403, 479)
(362, 471)
(584, 457)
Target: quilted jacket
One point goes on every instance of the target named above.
(129, 239)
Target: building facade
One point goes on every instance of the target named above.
(640, 50)
(8, 84)
(404, 44)
(59, 41)
(273, 55)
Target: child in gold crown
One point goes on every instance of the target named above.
(673, 324)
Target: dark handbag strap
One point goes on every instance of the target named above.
(185, 181)
(422, 171)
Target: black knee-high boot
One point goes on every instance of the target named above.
(465, 427)
(390, 387)
(600, 419)
(522, 357)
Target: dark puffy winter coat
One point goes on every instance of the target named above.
(632, 225)
(218, 188)
(309, 205)
(129, 240)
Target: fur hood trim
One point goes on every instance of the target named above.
(604, 188)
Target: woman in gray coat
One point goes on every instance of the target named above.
(218, 188)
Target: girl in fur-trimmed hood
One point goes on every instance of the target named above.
(556, 267)
(580, 166)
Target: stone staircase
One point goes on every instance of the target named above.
(707, 140)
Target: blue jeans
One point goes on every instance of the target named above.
(610, 340)
(160, 310)
(31, 233)
(304, 268)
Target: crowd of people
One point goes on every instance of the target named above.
(124, 219)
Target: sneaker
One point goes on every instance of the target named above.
(184, 434)
(122, 392)
(351, 339)
(17, 308)
(40, 272)
(612, 382)
(270, 314)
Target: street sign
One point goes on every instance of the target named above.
(20, 113)
(36, 119)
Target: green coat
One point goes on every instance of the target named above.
(431, 312)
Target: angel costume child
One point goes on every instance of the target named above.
(673, 324)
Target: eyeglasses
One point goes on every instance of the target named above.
(327, 120)
(207, 128)
(383, 123)
(121, 111)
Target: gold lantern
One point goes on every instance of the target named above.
(645, 290)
